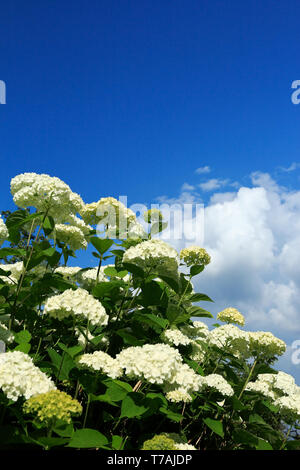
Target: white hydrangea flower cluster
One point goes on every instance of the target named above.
(218, 383)
(71, 235)
(153, 253)
(231, 315)
(184, 446)
(3, 231)
(45, 192)
(20, 377)
(68, 272)
(83, 341)
(193, 335)
(266, 344)
(155, 363)
(101, 361)
(88, 277)
(15, 269)
(289, 406)
(274, 386)
(111, 213)
(163, 365)
(262, 385)
(175, 336)
(179, 394)
(77, 303)
(231, 339)
(6, 335)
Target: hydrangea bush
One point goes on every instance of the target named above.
(114, 356)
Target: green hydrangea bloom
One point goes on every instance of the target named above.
(52, 406)
(159, 442)
(195, 255)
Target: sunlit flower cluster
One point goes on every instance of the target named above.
(175, 336)
(71, 235)
(231, 339)
(15, 270)
(155, 363)
(52, 406)
(89, 276)
(274, 386)
(218, 383)
(231, 315)
(5, 334)
(3, 231)
(108, 211)
(68, 272)
(20, 377)
(194, 255)
(45, 193)
(76, 303)
(100, 361)
(152, 254)
(264, 343)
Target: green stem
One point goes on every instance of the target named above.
(248, 378)
(286, 438)
(86, 410)
(11, 321)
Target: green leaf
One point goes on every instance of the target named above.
(48, 225)
(171, 414)
(255, 418)
(19, 252)
(87, 439)
(199, 312)
(134, 269)
(244, 437)
(133, 405)
(23, 347)
(103, 289)
(215, 425)
(63, 364)
(101, 244)
(110, 271)
(196, 269)
(171, 281)
(49, 442)
(23, 337)
(117, 442)
(129, 338)
(263, 445)
(198, 297)
(152, 294)
(151, 320)
(173, 311)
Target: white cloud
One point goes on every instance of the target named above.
(253, 237)
(202, 170)
(213, 184)
(187, 187)
(294, 166)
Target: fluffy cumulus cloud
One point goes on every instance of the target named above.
(253, 237)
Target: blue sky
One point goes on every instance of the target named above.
(132, 97)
